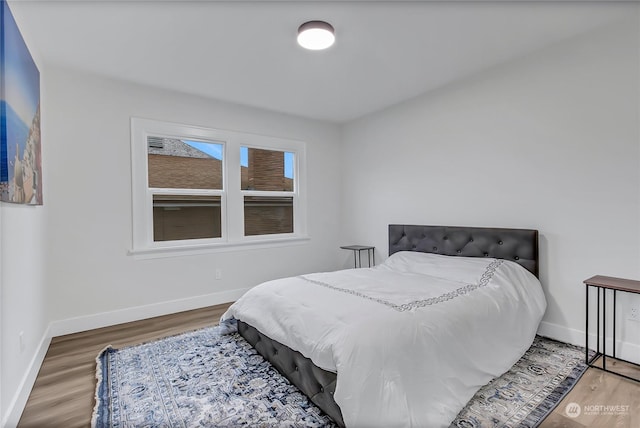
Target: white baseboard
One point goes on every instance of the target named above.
(625, 350)
(16, 406)
(107, 319)
(104, 319)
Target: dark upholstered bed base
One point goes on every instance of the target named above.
(518, 245)
(316, 383)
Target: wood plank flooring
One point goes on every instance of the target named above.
(63, 394)
(605, 400)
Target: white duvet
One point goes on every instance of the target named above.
(411, 340)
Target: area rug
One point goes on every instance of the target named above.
(529, 391)
(210, 379)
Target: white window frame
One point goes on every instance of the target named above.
(231, 195)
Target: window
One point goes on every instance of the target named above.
(267, 182)
(175, 169)
(198, 189)
(177, 217)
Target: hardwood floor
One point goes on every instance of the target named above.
(63, 394)
(605, 400)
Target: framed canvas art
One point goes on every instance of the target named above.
(20, 154)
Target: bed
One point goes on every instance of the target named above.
(408, 342)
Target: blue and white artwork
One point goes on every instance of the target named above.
(20, 154)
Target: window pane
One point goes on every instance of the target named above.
(269, 170)
(186, 217)
(184, 164)
(267, 215)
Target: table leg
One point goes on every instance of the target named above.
(614, 323)
(586, 327)
(598, 322)
(604, 329)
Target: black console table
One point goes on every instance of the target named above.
(602, 284)
(357, 249)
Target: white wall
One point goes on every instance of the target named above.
(24, 305)
(89, 200)
(549, 142)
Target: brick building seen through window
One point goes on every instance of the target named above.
(176, 164)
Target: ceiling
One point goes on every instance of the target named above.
(245, 52)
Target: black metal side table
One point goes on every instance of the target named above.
(357, 250)
(602, 284)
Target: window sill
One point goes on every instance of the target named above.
(188, 250)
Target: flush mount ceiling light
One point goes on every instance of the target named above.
(316, 35)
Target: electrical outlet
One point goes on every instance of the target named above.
(21, 337)
(218, 273)
(634, 313)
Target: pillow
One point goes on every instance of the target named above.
(467, 270)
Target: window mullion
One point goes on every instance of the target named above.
(267, 193)
(235, 211)
(195, 192)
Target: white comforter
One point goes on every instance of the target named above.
(412, 339)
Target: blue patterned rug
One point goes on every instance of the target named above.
(209, 379)
(529, 391)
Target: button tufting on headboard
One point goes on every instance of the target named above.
(520, 245)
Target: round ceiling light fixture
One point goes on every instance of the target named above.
(316, 35)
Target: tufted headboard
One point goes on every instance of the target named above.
(518, 245)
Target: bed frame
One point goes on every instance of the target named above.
(518, 245)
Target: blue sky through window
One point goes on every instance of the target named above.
(212, 149)
(216, 150)
(244, 156)
(288, 164)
